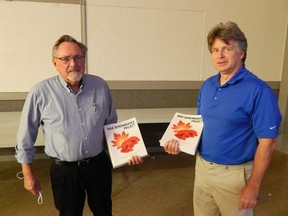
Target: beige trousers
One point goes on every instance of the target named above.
(217, 188)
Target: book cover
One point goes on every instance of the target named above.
(186, 129)
(124, 140)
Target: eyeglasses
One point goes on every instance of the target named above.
(67, 59)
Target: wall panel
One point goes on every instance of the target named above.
(145, 44)
(28, 32)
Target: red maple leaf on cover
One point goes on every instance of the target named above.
(183, 131)
(124, 142)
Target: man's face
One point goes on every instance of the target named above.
(69, 62)
(227, 58)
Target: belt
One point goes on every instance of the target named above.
(83, 162)
(226, 165)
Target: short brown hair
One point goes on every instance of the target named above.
(68, 38)
(226, 32)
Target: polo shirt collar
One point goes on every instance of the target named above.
(236, 77)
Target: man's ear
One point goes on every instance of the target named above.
(243, 54)
(54, 62)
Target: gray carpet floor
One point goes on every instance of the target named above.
(162, 186)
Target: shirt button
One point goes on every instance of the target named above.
(215, 98)
(219, 89)
(79, 109)
(83, 123)
(85, 138)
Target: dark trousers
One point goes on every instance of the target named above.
(71, 184)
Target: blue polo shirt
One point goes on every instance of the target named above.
(235, 115)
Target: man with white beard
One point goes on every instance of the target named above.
(72, 109)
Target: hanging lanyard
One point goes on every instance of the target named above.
(19, 175)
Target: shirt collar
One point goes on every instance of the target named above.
(235, 78)
(67, 87)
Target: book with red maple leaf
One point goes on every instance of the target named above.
(186, 129)
(124, 140)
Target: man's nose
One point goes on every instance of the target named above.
(72, 61)
(220, 54)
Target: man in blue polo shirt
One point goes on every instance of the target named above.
(241, 122)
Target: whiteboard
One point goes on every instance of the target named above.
(28, 32)
(130, 43)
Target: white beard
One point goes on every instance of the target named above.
(75, 76)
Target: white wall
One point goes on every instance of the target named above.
(138, 40)
(28, 32)
(145, 43)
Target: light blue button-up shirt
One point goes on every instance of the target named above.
(72, 124)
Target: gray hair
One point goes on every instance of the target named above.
(68, 38)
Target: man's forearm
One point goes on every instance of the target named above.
(262, 160)
(27, 169)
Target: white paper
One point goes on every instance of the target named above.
(186, 129)
(124, 140)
